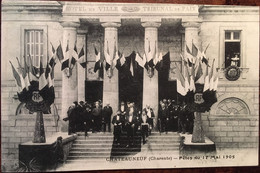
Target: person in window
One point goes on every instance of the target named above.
(106, 117)
(235, 60)
(117, 122)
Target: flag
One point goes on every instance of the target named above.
(206, 80)
(131, 66)
(107, 58)
(192, 82)
(180, 82)
(212, 76)
(186, 76)
(98, 61)
(159, 62)
(24, 73)
(122, 60)
(203, 56)
(194, 50)
(145, 62)
(65, 64)
(215, 83)
(42, 79)
(32, 70)
(81, 59)
(118, 63)
(198, 71)
(74, 56)
(115, 60)
(150, 56)
(72, 62)
(188, 50)
(139, 60)
(59, 52)
(18, 78)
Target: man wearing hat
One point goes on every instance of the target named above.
(130, 124)
(106, 117)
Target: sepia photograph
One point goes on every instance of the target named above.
(117, 85)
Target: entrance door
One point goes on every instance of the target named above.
(93, 91)
(131, 82)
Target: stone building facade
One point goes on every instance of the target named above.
(232, 121)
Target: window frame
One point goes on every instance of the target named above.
(242, 40)
(44, 28)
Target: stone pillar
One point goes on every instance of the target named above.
(191, 35)
(69, 85)
(111, 85)
(150, 85)
(81, 41)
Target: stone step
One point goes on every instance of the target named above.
(104, 154)
(92, 158)
(95, 145)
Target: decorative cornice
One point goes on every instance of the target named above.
(111, 25)
(71, 24)
(191, 24)
(151, 24)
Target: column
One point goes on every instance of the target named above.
(191, 35)
(150, 85)
(81, 42)
(69, 85)
(111, 84)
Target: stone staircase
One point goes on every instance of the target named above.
(100, 146)
(162, 143)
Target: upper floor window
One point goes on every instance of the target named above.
(34, 46)
(232, 48)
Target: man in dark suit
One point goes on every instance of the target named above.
(144, 125)
(150, 116)
(130, 124)
(106, 117)
(163, 118)
(96, 115)
(117, 122)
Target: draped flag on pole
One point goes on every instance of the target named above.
(59, 52)
(18, 78)
(180, 82)
(24, 73)
(139, 60)
(131, 66)
(98, 60)
(66, 63)
(159, 62)
(82, 61)
(198, 71)
(206, 80)
(150, 56)
(186, 76)
(145, 61)
(118, 63)
(32, 70)
(203, 56)
(192, 79)
(115, 57)
(42, 79)
(107, 63)
(194, 50)
(74, 56)
(212, 76)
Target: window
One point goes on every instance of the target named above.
(232, 48)
(34, 46)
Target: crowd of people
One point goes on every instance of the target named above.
(175, 117)
(128, 118)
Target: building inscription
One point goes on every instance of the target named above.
(95, 9)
